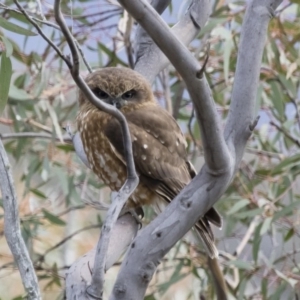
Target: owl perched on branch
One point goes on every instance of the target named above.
(159, 147)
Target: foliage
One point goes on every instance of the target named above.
(262, 201)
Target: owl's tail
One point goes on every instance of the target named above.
(204, 230)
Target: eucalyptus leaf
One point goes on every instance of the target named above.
(8, 46)
(5, 77)
(15, 28)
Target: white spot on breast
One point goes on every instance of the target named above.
(177, 144)
(113, 176)
(144, 157)
(145, 146)
(134, 139)
(101, 159)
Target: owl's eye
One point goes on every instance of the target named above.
(128, 95)
(99, 93)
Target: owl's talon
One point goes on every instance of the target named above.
(138, 215)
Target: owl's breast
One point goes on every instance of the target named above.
(105, 161)
(99, 151)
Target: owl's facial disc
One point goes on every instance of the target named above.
(117, 101)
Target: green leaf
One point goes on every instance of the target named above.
(18, 94)
(249, 213)
(228, 46)
(237, 206)
(53, 219)
(256, 242)
(65, 147)
(38, 193)
(211, 24)
(242, 288)
(265, 226)
(15, 28)
(5, 77)
(150, 297)
(243, 265)
(264, 288)
(8, 46)
(289, 234)
(286, 210)
(286, 164)
(277, 98)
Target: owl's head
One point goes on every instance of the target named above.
(120, 87)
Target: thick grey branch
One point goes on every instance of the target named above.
(159, 236)
(150, 59)
(253, 38)
(215, 150)
(12, 229)
(79, 275)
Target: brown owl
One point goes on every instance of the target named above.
(159, 147)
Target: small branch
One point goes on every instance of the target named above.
(33, 135)
(264, 153)
(286, 134)
(42, 34)
(96, 287)
(247, 237)
(164, 78)
(150, 59)
(12, 229)
(45, 22)
(83, 57)
(79, 275)
(67, 238)
(41, 10)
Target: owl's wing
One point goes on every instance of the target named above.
(158, 149)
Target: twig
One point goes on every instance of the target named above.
(178, 98)
(96, 287)
(33, 18)
(12, 229)
(246, 237)
(60, 243)
(83, 56)
(287, 134)
(41, 10)
(34, 135)
(264, 153)
(40, 31)
(164, 79)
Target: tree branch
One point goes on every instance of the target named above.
(150, 59)
(153, 242)
(32, 135)
(12, 229)
(241, 117)
(79, 275)
(132, 179)
(215, 150)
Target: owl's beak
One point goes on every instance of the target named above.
(116, 102)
